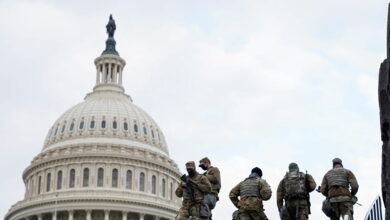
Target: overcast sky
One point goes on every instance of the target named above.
(246, 83)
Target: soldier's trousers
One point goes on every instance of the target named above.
(252, 215)
(191, 212)
(341, 209)
(298, 209)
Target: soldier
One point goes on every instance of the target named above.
(252, 191)
(213, 175)
(294, 189)
(193, 188)
(335, 186)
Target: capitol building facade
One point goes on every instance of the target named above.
(103, 159)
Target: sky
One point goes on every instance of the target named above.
(246, 83)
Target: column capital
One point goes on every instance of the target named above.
(88, 210)
(70, 211)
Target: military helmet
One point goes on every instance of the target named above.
(337, 161)
(258, 171)
(293, 167)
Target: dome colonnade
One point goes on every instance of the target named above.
(103, 159)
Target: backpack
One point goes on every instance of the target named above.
(295, 185)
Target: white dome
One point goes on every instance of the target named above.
(103, 159)
(106, 117)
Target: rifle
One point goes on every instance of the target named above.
(189, 187)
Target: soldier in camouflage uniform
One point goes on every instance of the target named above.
(193, 191)
(252, 191)
(294, 189)
(213, 175)
(335, 186)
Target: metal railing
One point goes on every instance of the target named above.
(375, 211)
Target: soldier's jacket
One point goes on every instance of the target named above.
(339, 191)
(202, 184)
(280, 193)
(214, 176)
(251, 203)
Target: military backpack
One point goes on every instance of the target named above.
(295, 185)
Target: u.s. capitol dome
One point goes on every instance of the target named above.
(103, 159)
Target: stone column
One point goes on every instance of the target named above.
(54, 215)
(98, 74)
(70, 213)
(88, 214)
(124, 215)
(141, 216)
(39, 216)
(120, 75)
(106, 214)
(115, 73)
(110, 77)
(104, 73)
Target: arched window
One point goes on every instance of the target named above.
(71, 126)
(104, 124)
(154, 184)
(55, 133)
(114, 125)
(63, 128)
(72, 176)
(129, 176)
(48, 181)
(92, 124)
(135, 128)
(142, 182)
(114, 178)
(39, 184)
(163, 188)
(145, 131)
(81, 126)
(125, 126)
(171, 191)
(100, 177)
(59, 179)
(152, 133)
(85, 177)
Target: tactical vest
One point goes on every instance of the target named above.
(250, 187)
(338, 177)
(186, 195)
(295, 185)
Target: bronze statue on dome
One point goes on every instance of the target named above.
(111, 27)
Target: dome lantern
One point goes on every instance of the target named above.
(109, 66)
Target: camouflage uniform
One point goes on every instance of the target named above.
(252, 191)
(191, 209)
(335, 186)
(297, 203)
(214, 176)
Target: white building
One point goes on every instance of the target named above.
(103, 159)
